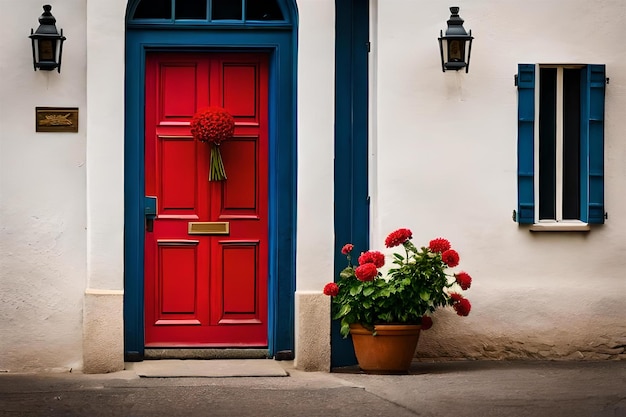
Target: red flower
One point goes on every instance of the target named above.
(331, 289)
(372, 257)
(450, 257)
(456, 297)
(347, 248)
(463, 279)
(366, 272)
(439, 245)
(463, 307)
(398, 237)
(213, 124)
(427, 322)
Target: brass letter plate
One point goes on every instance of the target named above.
(209, 228)
(56, 119)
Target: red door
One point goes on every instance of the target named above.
(206, 252)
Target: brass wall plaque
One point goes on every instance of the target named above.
(56, 119)
(208, 228)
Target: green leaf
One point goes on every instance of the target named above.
(346, 273)
(355, 290)
(368, 291)
(386, 317)
(345, 309)
(345, 329)
(425, 295)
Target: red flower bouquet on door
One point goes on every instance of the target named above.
(213, 125)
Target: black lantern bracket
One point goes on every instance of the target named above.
(47, 42)
(455, 46)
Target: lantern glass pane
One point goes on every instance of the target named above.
(456, 50)
(46, 49)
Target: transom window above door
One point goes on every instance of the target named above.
(216, 11)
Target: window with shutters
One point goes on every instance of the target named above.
(560, 146)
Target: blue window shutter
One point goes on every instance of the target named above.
(526, 144)
(592, 137)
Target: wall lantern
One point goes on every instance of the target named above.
(47, 42)
(456, 46)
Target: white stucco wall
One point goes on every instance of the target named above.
(316, 114)
(315, 227)
(105, 148)
(445, 156)
(62, 194)
(42, 196)
(103, 324)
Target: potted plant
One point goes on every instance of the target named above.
(372, 306)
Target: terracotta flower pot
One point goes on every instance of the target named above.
(389, 352)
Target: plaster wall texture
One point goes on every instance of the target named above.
(42, 196)
(315, 230)
(103, 313)
(105, 147)
(316, 114)
(445, 155)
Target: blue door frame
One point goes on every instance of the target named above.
(280, 42)
(351, 146)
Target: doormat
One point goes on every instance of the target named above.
(213, 368)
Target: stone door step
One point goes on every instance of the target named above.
(213, 368)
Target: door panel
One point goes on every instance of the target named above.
(205, 288)
(240, 192)
(178, 178)
(239, 88)
(178, 281)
